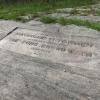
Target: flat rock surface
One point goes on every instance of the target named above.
(89, 18)
(58, 15)
(34, 23)
(49, 62)
(79, 17)
(7, 26)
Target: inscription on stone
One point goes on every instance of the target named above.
(39, 44)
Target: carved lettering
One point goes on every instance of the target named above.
(36, 43)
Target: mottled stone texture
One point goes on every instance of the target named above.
(29, 77)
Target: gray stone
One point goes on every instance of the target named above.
(79, 31)
(34, 23)
(66, 10)
(49, 62)
(58, 15)
(26, 18)
(62, 43)
(6, 26)
(82, 11)
(89, 18)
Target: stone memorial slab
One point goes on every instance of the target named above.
(70, 49)
(56, 63)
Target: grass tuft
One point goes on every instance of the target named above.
(61, 21)
(48, 19)
(65, 21)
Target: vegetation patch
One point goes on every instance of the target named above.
(12, 9)
(48, 19)
(65, 21)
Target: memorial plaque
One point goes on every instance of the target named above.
(50, 65)
(70, 49)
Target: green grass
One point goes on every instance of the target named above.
(12, 11)
(98, 13)
(65, 21)
(48, 19)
